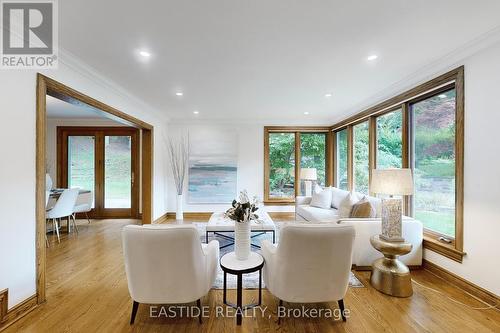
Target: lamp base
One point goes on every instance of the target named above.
(391, 220)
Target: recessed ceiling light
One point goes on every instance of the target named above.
(145, 54)
(179, 93)
(306, 113)
(442, 96)
(196, 112)
(372, 57)
(328, 95)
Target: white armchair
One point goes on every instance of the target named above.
(311, 264)
(167, 264)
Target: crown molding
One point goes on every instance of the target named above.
(77, 65)
(432, 69)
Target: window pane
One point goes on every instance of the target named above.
(389, 140)
(81, 163)
(361, 163)
(434, 162)
(341, 159)
(117, 171)
(282, 165)
(313, 155)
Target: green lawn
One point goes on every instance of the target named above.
(437, 221)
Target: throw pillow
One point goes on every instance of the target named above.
(363, 209)
(377, 205)
(322, 199)
(337, 196)
(345, 206)
(317, 188)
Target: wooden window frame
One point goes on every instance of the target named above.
(297, 130)
(453, 78)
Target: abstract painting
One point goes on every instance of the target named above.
(213, 166)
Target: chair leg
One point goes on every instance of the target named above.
(56, 226)
(198, 304)
(279, 306)
(74, 223)
(135, 306)
(341, 306)
(87, 215)
(47, 244)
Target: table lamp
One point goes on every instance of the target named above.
(308, 175)
(392, 182)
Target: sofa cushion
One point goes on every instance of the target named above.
(322, 199)
(314, 214)
(337, 196)
(363, 209)
(345, 206)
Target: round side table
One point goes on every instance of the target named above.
(230, 264)
(389, 275)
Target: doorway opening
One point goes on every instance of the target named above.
(118, 164)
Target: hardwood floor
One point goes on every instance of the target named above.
(87, 292)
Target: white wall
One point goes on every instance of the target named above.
(17, 173)
(250, 163)
(482, 176)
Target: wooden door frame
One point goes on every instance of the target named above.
(47, 86)
(98, 131)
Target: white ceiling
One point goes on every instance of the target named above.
(60, 109)
(266, 60)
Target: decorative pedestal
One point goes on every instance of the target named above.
(389, 275)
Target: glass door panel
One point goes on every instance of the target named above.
(117, 171)
(81, 163)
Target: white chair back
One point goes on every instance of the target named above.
(47, 198)
(164, 263)
(48, 182)
(313, 262)
(64, 204)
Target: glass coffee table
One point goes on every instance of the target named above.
(230, 264)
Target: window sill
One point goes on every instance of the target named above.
(447, 250)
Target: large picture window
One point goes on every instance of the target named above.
(434, 162)
(287, 150)
(421, 129)
(361, 161)
(390, 140)
(341, 159)
(282, 165)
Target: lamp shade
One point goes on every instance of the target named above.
(392, 181)
(308, 174)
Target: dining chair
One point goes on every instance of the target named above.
(63, 208)
(85, 206)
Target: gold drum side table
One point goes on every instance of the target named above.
(389, 275)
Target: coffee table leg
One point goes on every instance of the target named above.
(239, 299)
(206, 237)
(224, 293)
(260, 286)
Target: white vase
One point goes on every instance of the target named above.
(242, 240)
(179, 214)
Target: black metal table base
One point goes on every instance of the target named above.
(254, 234)
(240, 308)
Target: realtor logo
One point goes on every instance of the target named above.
(29, 34)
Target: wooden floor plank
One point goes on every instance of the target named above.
(87, 292)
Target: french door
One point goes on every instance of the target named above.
(104, 161)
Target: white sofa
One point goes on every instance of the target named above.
(364, 254)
